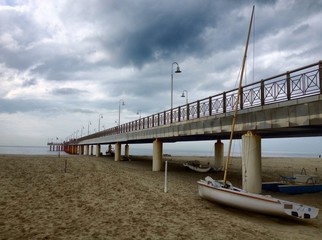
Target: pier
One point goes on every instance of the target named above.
(285, 105)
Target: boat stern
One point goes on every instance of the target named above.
(300, 211)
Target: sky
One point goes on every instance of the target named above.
(66, 66)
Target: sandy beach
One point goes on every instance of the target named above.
(98, 198)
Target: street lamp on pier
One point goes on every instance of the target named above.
(76, 133)
(186, 96)
(139, 113)
(177, 71)
(99, 121)
(121, 102)
(82, 131)
(89, 123)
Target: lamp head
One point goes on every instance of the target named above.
(178, 70)
(182, 95)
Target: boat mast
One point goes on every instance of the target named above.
(237, 99)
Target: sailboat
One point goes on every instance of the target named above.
(223, 192)
(197, 167)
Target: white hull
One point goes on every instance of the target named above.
(202, 169)
(238, 198)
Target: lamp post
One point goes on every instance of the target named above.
(139, 113)
(120, 102)
(177, 71)
(186, 96)
(59, 146)
(89, 123)
(99, 121)
(82, 131)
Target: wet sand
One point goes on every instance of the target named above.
(98, 198)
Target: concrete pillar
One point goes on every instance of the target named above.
(87, 150)
(251, 163)
(98, 150)
(81, 149)
(92, 150)
(219, 156)
(109, 149)
(157, 156)
(117, 155)
(127, 150)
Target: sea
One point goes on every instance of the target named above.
(45, 150)
(29, 150)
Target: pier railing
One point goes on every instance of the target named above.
(299, 83)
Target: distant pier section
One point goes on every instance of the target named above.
(56, 146)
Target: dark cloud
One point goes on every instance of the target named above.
(44, 106)
(154, 33)
(20, 33)
(29, 82)
(63, 110)
(140, 32)
(68, 91)
(22, 105)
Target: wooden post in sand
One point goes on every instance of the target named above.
(251, 163)
(166, 177)
(65, 167)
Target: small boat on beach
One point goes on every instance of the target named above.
(299, 189)
(297, 184)
(196, 166)
(229, 195)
